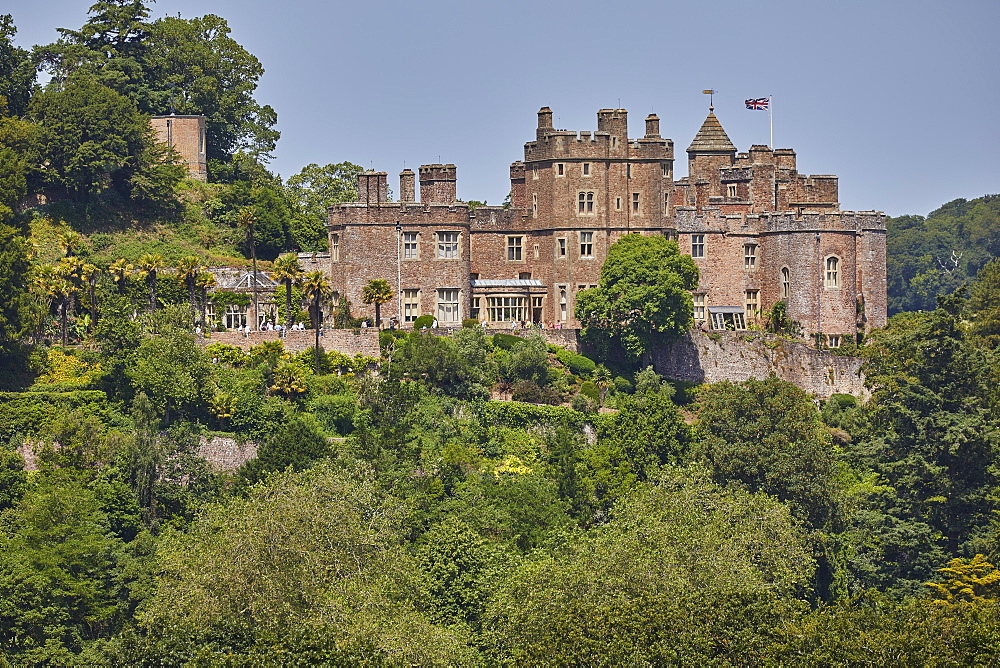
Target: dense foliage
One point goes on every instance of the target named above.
(460, 500)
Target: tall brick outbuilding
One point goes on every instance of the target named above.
(759, 232)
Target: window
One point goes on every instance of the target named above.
(666, 203)
(534, 205)
(752, 301)
(635, 202)
(562, 302)
(335, 247)
(535, 249)
(524, 276)
(731, 190)
(628, 171)
(833, 340)
(665, 169)
(235, 316)
(832, 272)
(447, 310)
(699, 307)
(750, 256)
(697, 245)
(536, 309)
(514, 248)
(474, 309)
(411, 305)
(730, 321)
(411, 247)
(534, 172)
(561, 241)
(448, 245)
(505, 309)
(786, 283)
(614, 142)
(618, 204)
(586, 244)
(560, 169)
(585, 202)
(586, 169)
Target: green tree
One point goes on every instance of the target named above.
(188, 270)
(14, 267)
(173, 371)
(288, 271)
(983, 309)
(377, 292)
(17, 72)
(313, 191)
(310, 566)
(643, 295)
(149, 265)
(92, 139)
(931, 425)
(685, 572)
(57, 572)
(316, 289)
(768, 436)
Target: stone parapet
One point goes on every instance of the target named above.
(347, 341)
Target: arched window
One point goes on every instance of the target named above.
(832, 278)
(786, 283)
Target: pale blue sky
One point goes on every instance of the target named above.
(899, 98)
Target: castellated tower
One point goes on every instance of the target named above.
(758, 230)
(186, 135)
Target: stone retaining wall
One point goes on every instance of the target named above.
(348, 341)
(738, 356)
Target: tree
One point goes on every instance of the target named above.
(288, 271)
(314, 190)
(309, 566)
(149, 264)
(684, 573)
(983, 308)
(643, 296)
(378, 292)
(316, 289)
(931, 427)
(767, 435)
(91, 138)
(173, 371)
(14, 267)
(17, 73)
(188, 270)
(246, 220)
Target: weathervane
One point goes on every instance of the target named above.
(711, 97)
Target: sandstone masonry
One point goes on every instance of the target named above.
(760, 233)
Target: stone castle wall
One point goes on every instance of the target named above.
(347, 341)
(739, 356)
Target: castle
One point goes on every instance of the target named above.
(760, 233)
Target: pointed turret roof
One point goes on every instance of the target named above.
(711, 137)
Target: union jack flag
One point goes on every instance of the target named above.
(758, 103)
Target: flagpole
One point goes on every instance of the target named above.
(770, 119)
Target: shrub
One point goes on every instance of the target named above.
(423, 321)
(227, 354)
(529, 392)
(578, 364)
(589, 390)
(623, 384)
(470, 322)
(505, 341)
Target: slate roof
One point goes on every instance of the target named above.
(711, 137)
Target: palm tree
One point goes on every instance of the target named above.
(245, 220)
(89, 274)
(316, 289)
(602, 379)
(287, 270)
(148, 265)
(58, 288)
(377, 292)
(204, 280)
(69, 242)
(120, 271)
(188, 269)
